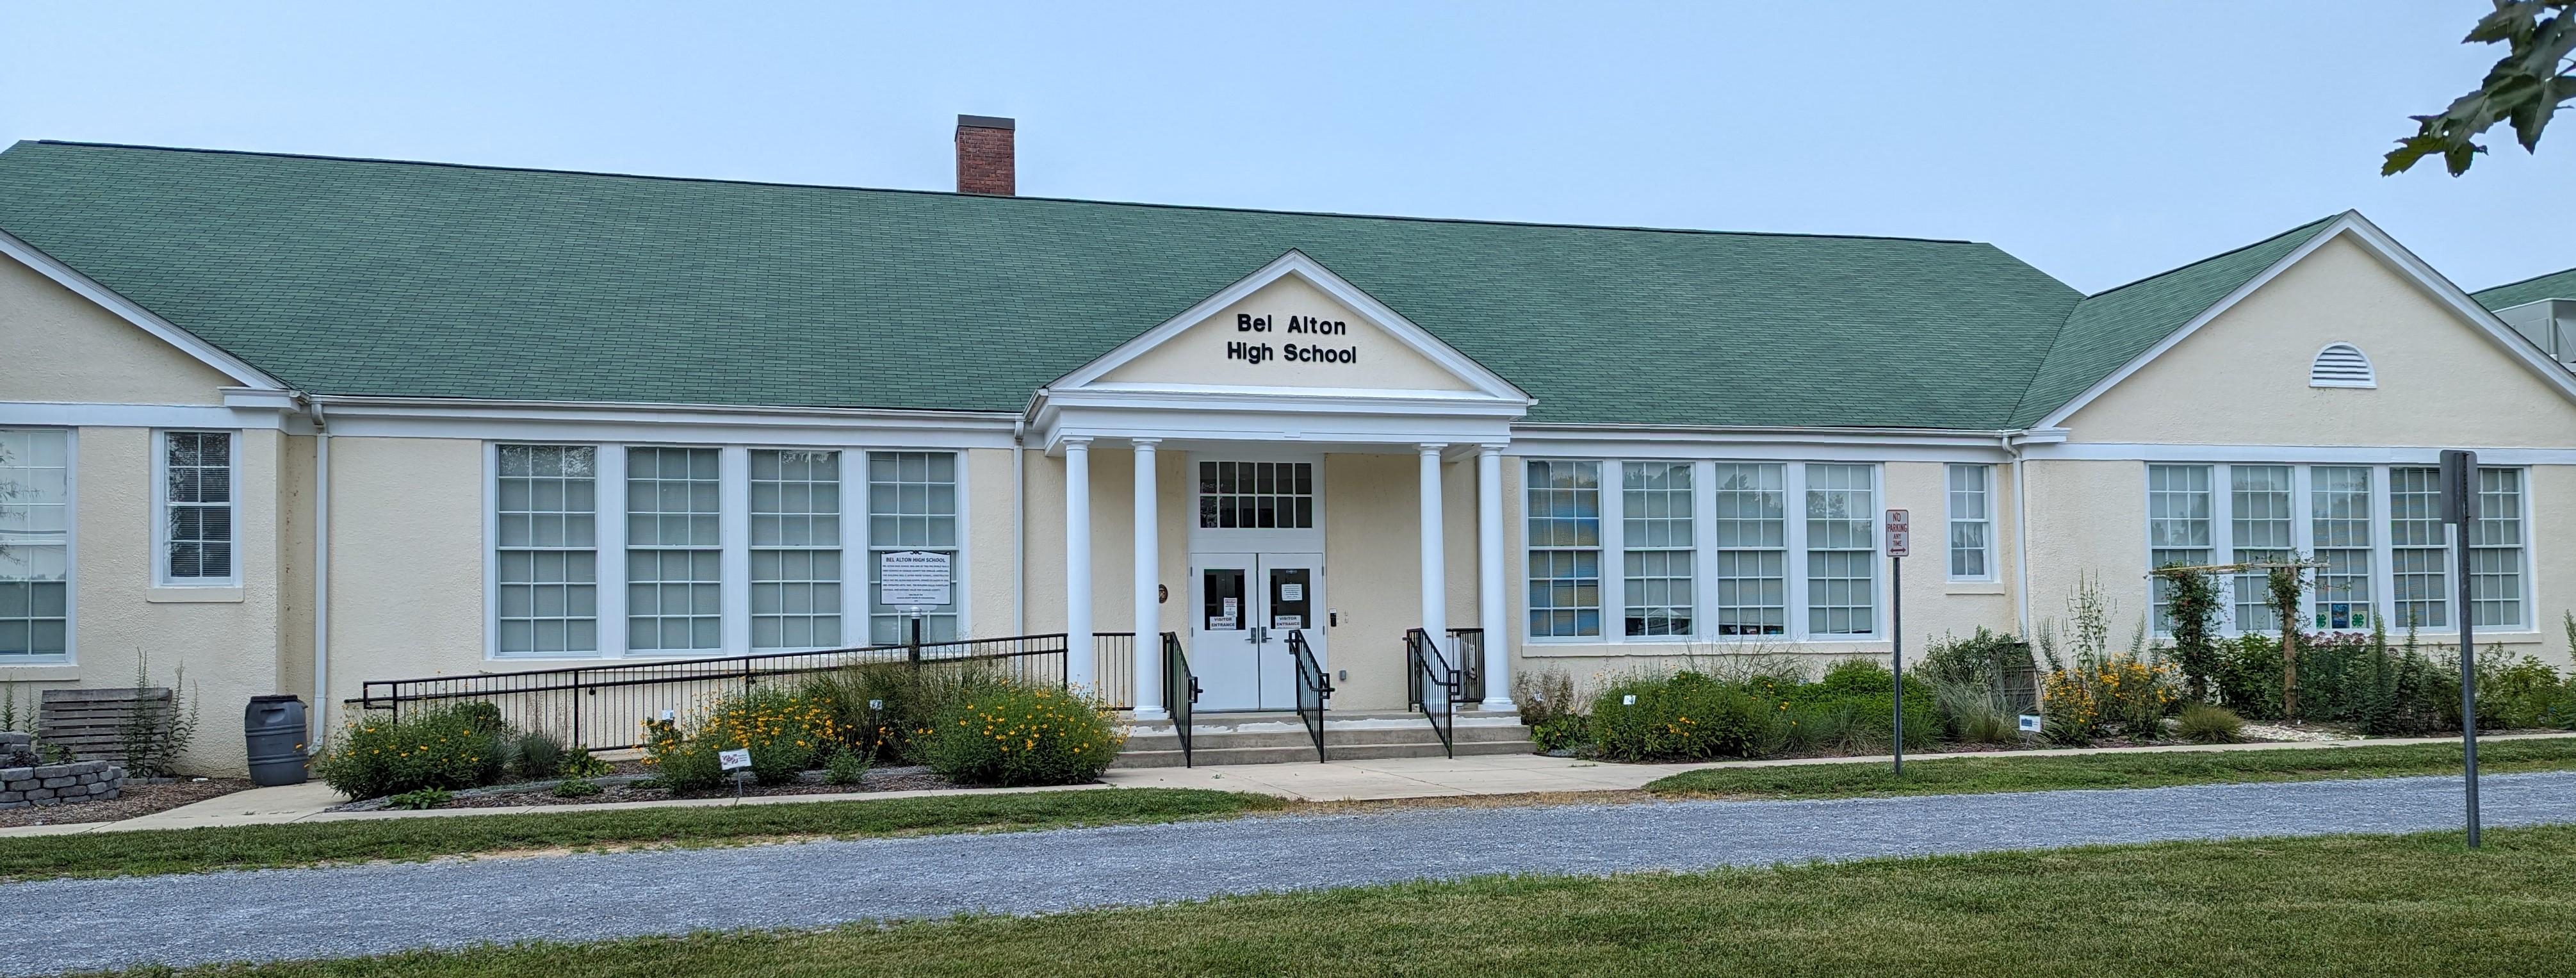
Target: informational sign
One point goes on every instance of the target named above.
(1287, 621)
(1900, 533)
(912, 577)
(2030, 723)
(733, 760)
(1292, 592)
(1231, 606)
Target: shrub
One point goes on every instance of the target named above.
(2202, 723)
(1560, 732)
(888, 710)
(420, 799)
(846, 767)
(2125, 691)
(1686, 716)
(577, 788)
(482, 716)
(446, 748)
(785, 732)
(580, 764)
(1978, 660)
(681, 763)
(1015, 734)
(540, 756)
(1852, 709)
(1546, 699)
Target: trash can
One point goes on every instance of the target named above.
(274, 728)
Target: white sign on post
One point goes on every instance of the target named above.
(733, 760)
(912, 577)
(2030, 723)
(1900, 535)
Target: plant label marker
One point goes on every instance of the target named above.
(2030, 723)
(2460, 509)
(736, 761)
(1900, 541)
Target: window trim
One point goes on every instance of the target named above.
(70, 656)
(1950, 520)
(160, 518)
(2222, 544)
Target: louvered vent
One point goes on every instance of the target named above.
(2341, 365)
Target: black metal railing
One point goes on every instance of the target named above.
(1313, 688)
(1434, 686)
(605, 707)
(1113, 668)
(1180, 691)
(1467, 645)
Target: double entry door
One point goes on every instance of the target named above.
(1245, 604)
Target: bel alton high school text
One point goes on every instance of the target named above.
(1292, 352)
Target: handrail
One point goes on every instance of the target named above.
(1180, 691)
(1435, 686)
(1312, 689)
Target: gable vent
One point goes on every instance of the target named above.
(2341, 365)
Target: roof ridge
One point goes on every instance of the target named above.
(2267, 239)
(387, 161)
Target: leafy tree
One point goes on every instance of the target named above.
(2526, 86)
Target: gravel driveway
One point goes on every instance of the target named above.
(297, 913)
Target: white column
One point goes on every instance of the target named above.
(1149, 584)
(1493, 609)
(1435, 597)
(1077, 563)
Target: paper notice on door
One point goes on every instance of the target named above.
(1292, 592)
(1229, 607)
(1287, 621)
(1221, 623)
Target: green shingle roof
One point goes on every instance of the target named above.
(2555, 285)
(370, 277)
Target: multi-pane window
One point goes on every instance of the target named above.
(2178, 525)
(2495, 550)
(674, 551)
(912, 505)
(197, 507)
(795, 549)
(2339, 528)
(1655, 506)
(2260, 527)
(1256, 495)
(1752, 550)
(546, 576)
(35, 553)
(2418, 547)
(1842, 549)
(1971, 522)
(1564, 525)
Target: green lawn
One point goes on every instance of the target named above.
(238, 847)
(2358, 906)
(2004, 772)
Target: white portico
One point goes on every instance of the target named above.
(1294, 399)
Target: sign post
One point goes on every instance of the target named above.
(735, 761)
(1900, 541)
(2460, 509)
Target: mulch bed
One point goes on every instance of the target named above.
(134, 800)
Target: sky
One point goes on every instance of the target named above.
(2101, 142)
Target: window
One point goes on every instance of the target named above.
(2178, 525)
(674, 551)
(912, 505)
(197, 508)
(1655, 521)
(547, 575)
(1564, 548)
(2341, 365)
(1257, 495)
(2259, 505)
(1752, 550)
(2339, 504)
(1842, 549)
(2418, 545)
(795, 549)
(35, 546)
(2495, 550)
(1971, 522)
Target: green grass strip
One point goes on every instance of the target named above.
(2348, 906)
(251, 846)
(2004, 772)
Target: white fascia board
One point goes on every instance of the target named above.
(123, 308)
(2289, 454)
(664, 423)
(47, 414)
(2389, 252)
(1465, 368)
(1181, 429)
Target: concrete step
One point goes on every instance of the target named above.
(1270, 739)
(1305, 753)
(1414, 730)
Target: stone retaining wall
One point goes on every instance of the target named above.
(54, 784)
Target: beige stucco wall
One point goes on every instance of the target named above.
(1373, 572)
(2088, 519)
(406, 560)
(987, 544)
(1198, 355)
(2242, 379)
(62, 348)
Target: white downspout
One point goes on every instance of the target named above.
(321, 581)
(1019, 524)
(2021, 540)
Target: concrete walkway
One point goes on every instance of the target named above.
(1412, 777)
(59, 925)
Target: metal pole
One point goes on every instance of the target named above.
(1896, 648)
(913, 650)
(2460, 508)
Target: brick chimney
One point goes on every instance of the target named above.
(984, 156)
